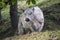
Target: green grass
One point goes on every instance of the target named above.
(6, 19)
(51, 31)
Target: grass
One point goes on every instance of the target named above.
(51, 31)
(47, 35)
(6, 19)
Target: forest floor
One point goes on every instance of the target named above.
(51, 31)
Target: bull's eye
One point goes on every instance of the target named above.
(27, 20)
(30, 13)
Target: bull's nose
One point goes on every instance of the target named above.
(27, 20)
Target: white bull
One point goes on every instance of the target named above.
(31, 19)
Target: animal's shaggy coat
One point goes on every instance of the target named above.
(31, 19)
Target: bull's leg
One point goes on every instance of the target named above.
(20, 28)
(32, 30)
(41, 27)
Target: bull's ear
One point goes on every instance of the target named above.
(22, 10)
(33, 9)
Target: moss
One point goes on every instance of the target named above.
(47, 35)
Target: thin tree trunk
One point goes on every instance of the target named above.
(14, 15)
(0, 16)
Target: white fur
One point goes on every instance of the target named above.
(36, 18)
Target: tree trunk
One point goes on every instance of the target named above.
(0, 16)
(14, 15)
